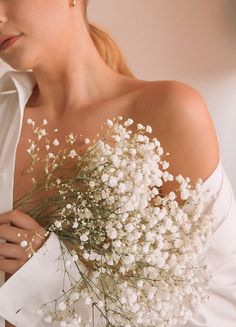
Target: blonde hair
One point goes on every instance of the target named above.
(105, 45)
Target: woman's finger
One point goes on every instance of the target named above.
(34, 239)
(12, 251)
(18, 219)
(24, 232)
(13, 234)
(10, 266)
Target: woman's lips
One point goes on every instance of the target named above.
(8, 42)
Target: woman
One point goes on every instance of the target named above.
(78, 80)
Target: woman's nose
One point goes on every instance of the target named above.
(3, 19)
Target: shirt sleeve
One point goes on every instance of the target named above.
(220, 308)
(40, 280)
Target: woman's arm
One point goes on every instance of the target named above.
(7, 323)
(39, 281)
(31, 282)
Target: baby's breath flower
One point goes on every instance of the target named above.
(72, 154)
(140, 126)
(128, 122)
(112, 233)
(124, 231)
(30, 122)
(104, 177)
(71, 138)
(148, 129)
(112, 181)
(75, 296)
(109, 122)
(56, 142)
(122, 187)
(51, 155)
(48, 319)
(41, 133)
(139, 138)
(92, 184)
(84, 238)
(87, 140)
(75, 225)
(117, 138)
(86, 255)
(129, 227)
(57, 223)
(61, 306)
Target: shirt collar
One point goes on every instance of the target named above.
(20, 82)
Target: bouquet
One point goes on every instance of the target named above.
(141, 249)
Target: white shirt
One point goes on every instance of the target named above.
(38, 281)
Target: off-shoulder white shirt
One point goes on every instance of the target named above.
(38, 280)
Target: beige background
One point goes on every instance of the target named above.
(193, 41)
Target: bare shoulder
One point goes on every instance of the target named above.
(181, 120)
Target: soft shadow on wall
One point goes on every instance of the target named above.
(229, 9)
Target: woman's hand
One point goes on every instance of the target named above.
(23, 227)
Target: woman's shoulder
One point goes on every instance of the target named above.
(181, 121)
(163, 98)
(167, 93)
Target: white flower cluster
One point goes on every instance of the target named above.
(145, 248)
